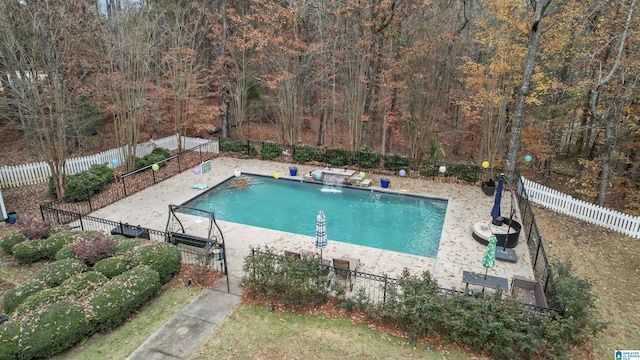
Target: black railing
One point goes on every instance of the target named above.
(190, 255)
(133, 182)
(539, 261)
(376, 289)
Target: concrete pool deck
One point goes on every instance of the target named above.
(458, 250)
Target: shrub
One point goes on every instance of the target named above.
(465, 171)
(121, 296)
(159, 256)
(397, 162)
(293, 283)
(46, 333)
(238, 146)
(113, 266)
(270, 151)
(304, 154)
(94, 248)
(75, 288)
(157, 156)
(13, 238)
(9, 336)
(82, 185)
(337, 157)
(55, 273)
(33, 227)
(51, 245)
(125, 245)
(66, 252)
(579, 320)
(368, 159)
(27, 252)
(20, 293)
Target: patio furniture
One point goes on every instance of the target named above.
(528, 291)
(483, 280)
(211, 250)
(345, 267)
(483, 229)
(130, 231)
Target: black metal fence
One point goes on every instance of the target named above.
(134, 181)
(375, 289)
(539, 261)
(190, 255)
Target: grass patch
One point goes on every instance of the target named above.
(124, 340)
(252, 332)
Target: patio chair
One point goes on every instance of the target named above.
(293, 254)
(345, 267)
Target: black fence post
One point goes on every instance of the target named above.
(535, 261)
(153, 174)
(178, 158)
(42, 212)
(124, 187)
(81, 224)
(384, 296)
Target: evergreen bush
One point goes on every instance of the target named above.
(20, 293)
(55, 273)
(50, 246)
(82, 185)
(114, 302)
(304, 154)
(27, 252)
(48, 332)
(238, 146)
(9, 240)
(270, 150)
(113, 266)
(159, 256)
(157, 156)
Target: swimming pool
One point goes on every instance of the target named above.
(403, 223)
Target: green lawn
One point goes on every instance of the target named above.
(252, 332)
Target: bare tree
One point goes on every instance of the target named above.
(128, 37)
(38, 48)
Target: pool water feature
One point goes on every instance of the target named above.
(403, 223)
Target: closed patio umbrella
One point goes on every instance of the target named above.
(495, 212)
(321, 232)
(489, 258)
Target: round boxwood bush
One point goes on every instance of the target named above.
(125, 245)
(161, 257)
(55, 273)
(51, 245)
(20, 293)
(13, 238)
(9, 336)
(114, 302)
(46, 333)
(74, 288)
(66, 252)
(113, 266)
(27, 252)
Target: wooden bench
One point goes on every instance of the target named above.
(208, 245)
(489, 281)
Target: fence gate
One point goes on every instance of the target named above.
(208, 249)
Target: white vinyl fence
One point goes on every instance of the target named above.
(565, 204)
(28, 174)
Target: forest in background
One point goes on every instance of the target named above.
(439, 79)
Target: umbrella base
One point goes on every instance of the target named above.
(506, 255)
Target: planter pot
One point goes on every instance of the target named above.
(293, 171)
(489, 187)
(12, 215)
(11, 221)
(528, 291)
(385, 182)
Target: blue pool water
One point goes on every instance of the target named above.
(403, 223)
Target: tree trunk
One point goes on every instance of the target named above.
(540, 6)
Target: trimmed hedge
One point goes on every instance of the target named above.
(114, 302)
(51, 245)
(56, 273)
(238, 146)
(13, 238)
(20, 293)
(57, 328)
(159, 256)
(270, 150)
(113, 266)
(125, 245)
(76, 287)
